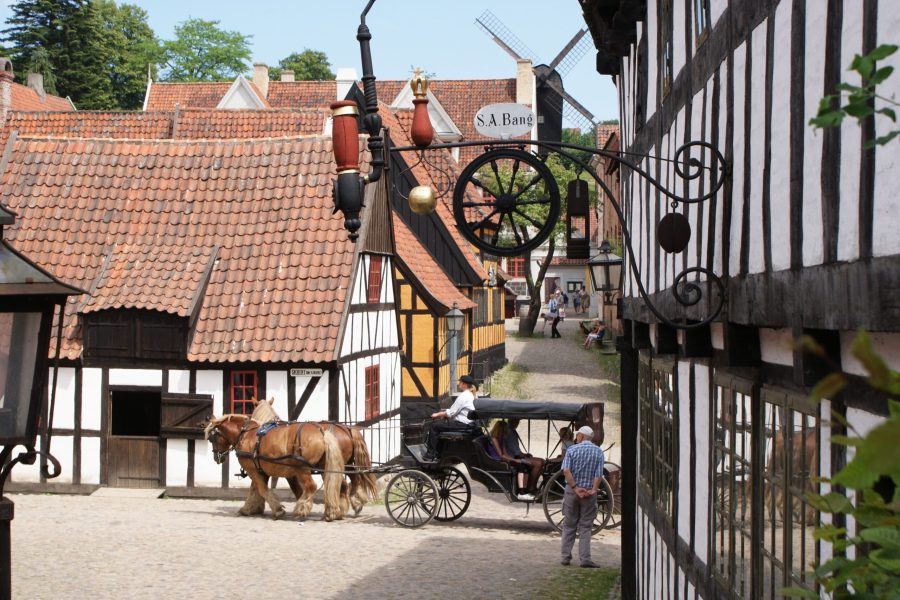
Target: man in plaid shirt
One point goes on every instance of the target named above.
(582, 468)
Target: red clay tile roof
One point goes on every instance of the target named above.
(425, 269)
(284, 263)
(431, 175)
(302, 94)
(604, 131)
(192, 124)
(139, 275)
(164, 96)
(25, 98)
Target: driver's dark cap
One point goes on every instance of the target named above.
(467, 379)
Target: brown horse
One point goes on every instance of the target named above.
(804, 469)
(290, 451)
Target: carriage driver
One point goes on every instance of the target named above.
(457, 415)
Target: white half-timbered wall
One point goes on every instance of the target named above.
(371, 339)
(813, 212)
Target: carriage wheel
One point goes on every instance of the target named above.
(518, 207)
(612, 470)
(454, 494)
(411, 498)
(553, 499)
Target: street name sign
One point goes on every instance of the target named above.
(306, 372)
(504, 121)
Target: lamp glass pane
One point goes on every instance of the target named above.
(455, 320)
(19, 333)
(615, 275)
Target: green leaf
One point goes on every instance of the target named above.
(894, 409)
(880, 75)
(844, 440)
(883, 51)
(864, 65)
(879, 374)
(889, 113)
(855, 476)
(886, 537)
(829, 532)
(889, 560)
(859, 109)
(882, 140)
(828, 387)
(837, 503)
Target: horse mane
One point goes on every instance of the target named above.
(213, 423)
(263, 412)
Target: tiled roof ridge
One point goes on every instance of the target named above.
(181, 109)
(171, 141)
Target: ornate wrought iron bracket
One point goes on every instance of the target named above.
(521, 205)
(28, 457)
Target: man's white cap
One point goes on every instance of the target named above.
(585, 431)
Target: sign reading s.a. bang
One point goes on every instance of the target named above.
(504, 121)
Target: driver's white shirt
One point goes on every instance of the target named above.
(464, 403)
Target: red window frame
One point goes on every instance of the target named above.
(374, 290)
(515, 266)
(373, 392)
(243, 391)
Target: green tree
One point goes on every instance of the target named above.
(574, 136)
(132, 48)
(72, 34)
(309, 65)
(201, 51)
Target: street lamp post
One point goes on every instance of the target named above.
(455, 320)
(606, 272)
(29, 297)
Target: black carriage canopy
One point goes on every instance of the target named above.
(492, 408)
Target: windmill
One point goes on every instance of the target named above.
(553, 102)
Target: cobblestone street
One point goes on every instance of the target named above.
(115, 547)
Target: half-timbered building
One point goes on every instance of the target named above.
(803, 236)
(216, 273)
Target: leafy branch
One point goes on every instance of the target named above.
(874, 569)
(861, 101)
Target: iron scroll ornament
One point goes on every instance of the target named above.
(512, 203)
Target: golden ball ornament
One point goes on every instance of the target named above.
(422, 199)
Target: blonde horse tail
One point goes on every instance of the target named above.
(333, 476)
(363, 463)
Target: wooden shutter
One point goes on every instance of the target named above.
(183, 415)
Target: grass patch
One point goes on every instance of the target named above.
(579, 584)
(610, 365)
(509, 382)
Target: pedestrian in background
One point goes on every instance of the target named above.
(553, 312)
(582, 467)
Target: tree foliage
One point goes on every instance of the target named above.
(873, 475)
(201, 51)
(862, 101)
(575, 136)
(92, 51)
(309, 65)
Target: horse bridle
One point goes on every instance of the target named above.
(214, 435)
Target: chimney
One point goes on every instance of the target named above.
(36, 82)
(525, 82)
(346, 79)
(287, 75)
(6, 80)
(261, 78)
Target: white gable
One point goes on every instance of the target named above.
(445, 129)
(240, 95)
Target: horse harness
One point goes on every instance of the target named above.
(261, 432)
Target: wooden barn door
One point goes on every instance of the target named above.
(132, 445)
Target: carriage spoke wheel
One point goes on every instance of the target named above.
(553, 501)
(411, 498)
(506, 202)
(613, 470)
(454, 494)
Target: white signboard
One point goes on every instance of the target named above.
(504, 121)
(306, 372)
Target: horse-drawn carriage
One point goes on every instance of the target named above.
(438, 489)
(419, 490)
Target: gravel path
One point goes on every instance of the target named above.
(90, 547)
(561, 370)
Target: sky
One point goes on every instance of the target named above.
(440, 37)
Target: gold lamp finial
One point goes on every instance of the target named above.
(419, 84)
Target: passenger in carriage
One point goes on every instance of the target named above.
(496, 449)
(512, 448)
